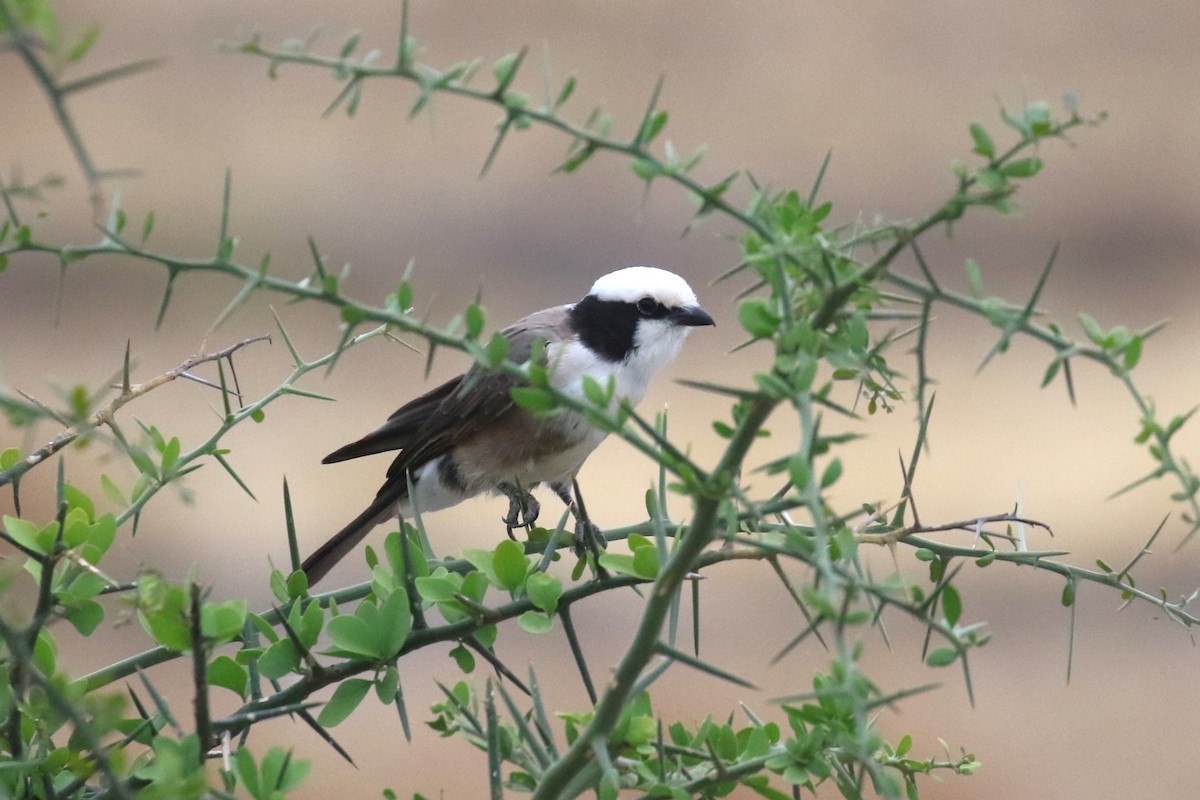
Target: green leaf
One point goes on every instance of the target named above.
(170, 455)
(85, 615)
(75, 528)
(505, 68)
(464, 658)
(228, 674)
(297, 585)
(1068, 594)
(799, 470)
(983, 142)
(510, 564)
(350, 44)
(84, 586)
(937, 568)
(772, 385)
(309, 626)
(1037, 118)
(535, 622)
(652, 128)
(942, 657)
(161, 612)
(279, 659)
(223, 621)
(142, 461)
(278, 586)
(951, 604)
(350, 633)
(351, 315)
(438, 588)
(975, 277)
(39, 15)
(832, 472)
(112, 492)
(645, 562)
(1022, 168)
(645, 169)
(1133, 352)
(282, 773)
(482, 561)
(345, 699)
(9, 458)
(1051, 372)
(77, 499)
(618, 562)
(1092, 329)
(497, 349)
(757, 318)
(544, 590)
(529, 398)
(387, 685)
(84, 44)
(475, 321)
(29, 535)
(45, 652)
(395, 620)
(404, 296)
(595, 393)
(566, 91)
(247, 771)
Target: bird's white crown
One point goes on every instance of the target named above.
(633, 283)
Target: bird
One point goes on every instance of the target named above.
(468, 437)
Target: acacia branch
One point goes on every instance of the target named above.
(57, 98)
(643, 647)
(104, 416)
(970, 525)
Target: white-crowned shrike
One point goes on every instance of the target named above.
(467, 436)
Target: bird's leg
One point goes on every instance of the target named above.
(588, 536)
(523, 508)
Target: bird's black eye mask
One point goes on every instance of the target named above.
(606, 327)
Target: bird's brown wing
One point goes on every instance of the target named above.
(432, 424)
(401, 428)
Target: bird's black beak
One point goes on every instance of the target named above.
(692, 316)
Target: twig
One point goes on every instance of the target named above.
(105, 415)
(970, 525)
(57, 98)
(200, 674)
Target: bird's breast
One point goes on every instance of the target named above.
(526, 449)
(571, 361)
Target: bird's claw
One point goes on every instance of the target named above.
(523, 510)
(588, 538)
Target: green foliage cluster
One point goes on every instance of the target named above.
(822, 319)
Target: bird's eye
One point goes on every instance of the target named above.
(647, 306)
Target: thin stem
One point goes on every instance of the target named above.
(644, 644)
(57, 98)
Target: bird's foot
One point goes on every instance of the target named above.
(523, 509)
(588, 538)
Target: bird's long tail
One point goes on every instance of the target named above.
(317, 565)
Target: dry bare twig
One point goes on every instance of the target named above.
(129, 392)
(974, 525)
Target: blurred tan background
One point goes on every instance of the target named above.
(770, 87)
